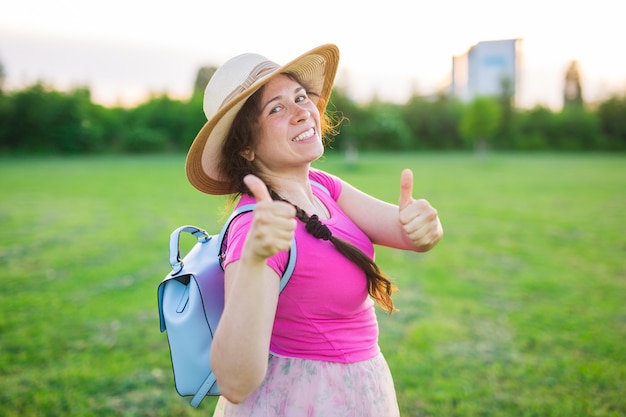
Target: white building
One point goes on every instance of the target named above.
(483, 69)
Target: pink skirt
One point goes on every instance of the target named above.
(311, 388)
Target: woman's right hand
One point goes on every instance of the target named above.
(273, 225)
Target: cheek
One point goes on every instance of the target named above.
(267, 147)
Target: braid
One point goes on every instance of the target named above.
(318, 229)
(379, 286)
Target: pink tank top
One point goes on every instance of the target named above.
(324, 312)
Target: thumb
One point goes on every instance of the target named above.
(257, 187)
(406, 188)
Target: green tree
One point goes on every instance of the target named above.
(577, 130)
(2, 77)
(163, 124)
(352, 115)
(23, 127)
(384, 128)
(612, 120)
(202, 79)
(504, 136)
(535, 127)
(39, 119)
(433, 123)
(479, 122)
(572, 89)
(72, 127)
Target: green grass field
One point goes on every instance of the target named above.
(520, 311)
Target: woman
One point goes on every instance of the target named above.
(265, 127)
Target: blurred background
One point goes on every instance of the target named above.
(413, 73)
(124, 50)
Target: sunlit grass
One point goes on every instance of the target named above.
(520, 311)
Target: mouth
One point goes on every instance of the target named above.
(304, 135)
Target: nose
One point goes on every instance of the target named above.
(300, 114)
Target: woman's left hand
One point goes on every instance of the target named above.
(419, 220)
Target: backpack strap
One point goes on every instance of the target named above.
(203, 390)
(320, 186)
(293, 252)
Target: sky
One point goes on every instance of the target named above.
(124, 50)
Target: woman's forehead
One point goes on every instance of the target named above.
(280, 82)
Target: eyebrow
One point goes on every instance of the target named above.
(295, 91)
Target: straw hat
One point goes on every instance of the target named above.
(227, 91)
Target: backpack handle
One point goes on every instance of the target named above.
(175, 260)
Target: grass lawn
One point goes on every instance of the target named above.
(520, 311)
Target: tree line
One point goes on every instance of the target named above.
(39, 119)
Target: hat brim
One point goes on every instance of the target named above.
(316, 69)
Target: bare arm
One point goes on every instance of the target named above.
(241, 343)
(411, 225)
(239, 354)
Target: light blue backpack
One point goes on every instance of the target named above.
(191, 300)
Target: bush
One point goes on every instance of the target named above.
(38, 119)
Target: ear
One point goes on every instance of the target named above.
(248, 154)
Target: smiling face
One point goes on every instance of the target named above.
(288, 135)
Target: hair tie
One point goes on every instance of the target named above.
(318, 229)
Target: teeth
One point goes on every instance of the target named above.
(304, 135)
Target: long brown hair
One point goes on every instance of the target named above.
(235, 167)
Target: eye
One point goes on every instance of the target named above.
(275, 109)
(301, 97)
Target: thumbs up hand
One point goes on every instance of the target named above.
(418, 218)
(274, 222)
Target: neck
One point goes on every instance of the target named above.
(296, 188)
(291, 184)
